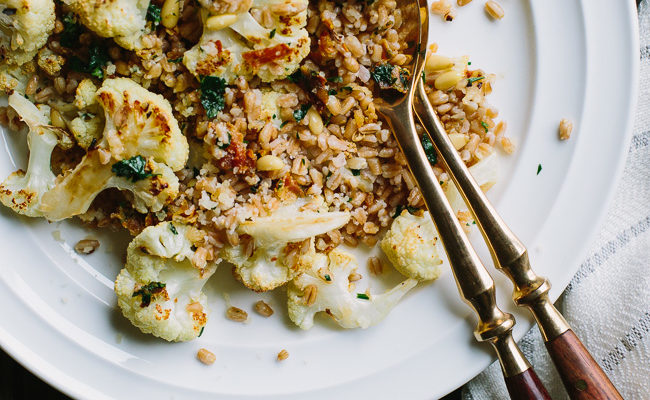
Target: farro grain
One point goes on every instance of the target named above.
(86, 246)
(263, 309)
(206, 356)
(283, 355)
(494, 9)
(236, 314)
(565, 129)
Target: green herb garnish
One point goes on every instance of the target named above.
(97, 58)
(383, 75)
(300, 113)
(213, 89)
(429, 150)
(539, 168)
(173, 229)
(153, 15)
(71, 31)
(176, 60)
(355, 172)
(336, 79)
(472, 80)
(272, 34)
(485, 126)
(133, 168)
(363, 296)
(400, 208)
(201, 332)
(147, 291)
(332, 92)
(328, 278)
(296, 77)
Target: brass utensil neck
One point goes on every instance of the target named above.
(508, 253)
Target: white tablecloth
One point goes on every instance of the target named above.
(608, 301)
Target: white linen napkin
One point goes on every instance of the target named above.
(608, 301)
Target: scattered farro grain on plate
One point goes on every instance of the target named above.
(236, 314)
(263, 309)
(565, 129)
(86, 246)
(283, 355)
(206, 356)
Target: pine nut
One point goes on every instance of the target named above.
(218, 22)
(447, 80)
(315, 121)
(458, 140)
(170, 13)
(269, 163)
(437, 62)
(57, 119)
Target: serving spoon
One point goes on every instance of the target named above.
(475, 284)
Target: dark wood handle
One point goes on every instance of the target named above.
(582, 376)
(526, 386)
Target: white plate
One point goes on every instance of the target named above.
(554, 58)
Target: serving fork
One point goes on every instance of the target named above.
(475, 284)
(581, 375)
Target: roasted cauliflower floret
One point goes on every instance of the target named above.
(159, 290)
(22, 191)
(282, 243)
(122, 20)
(25, 26)
(88, 124)
(325, 287)
(411, 246)
(15, 77)
(50, 62)
(235, 44)
(141, 147)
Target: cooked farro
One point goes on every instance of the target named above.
(323, 136)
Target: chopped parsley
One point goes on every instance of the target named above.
(283, 123)
(355, 172)
(424, 77)
(255, 187)
(347, 88)
(363, 296)
(328, 278)
(176, 60)
(300, 113)
(195, 171)
(71, 31)
(472, 80)
(429, 150)
(173, 228)
(201, 332)
(296, 77)
(400, 208)
(485, 126)
(133, 168)
(539, 168)
(225, 145)
(272, 34)
(147, 291)
(383, 75)
(213, 89)
(336, 79)
(153, 15)
(332, 92)
(97, 58)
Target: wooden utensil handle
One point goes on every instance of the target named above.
(582, 376)
(526, 386)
